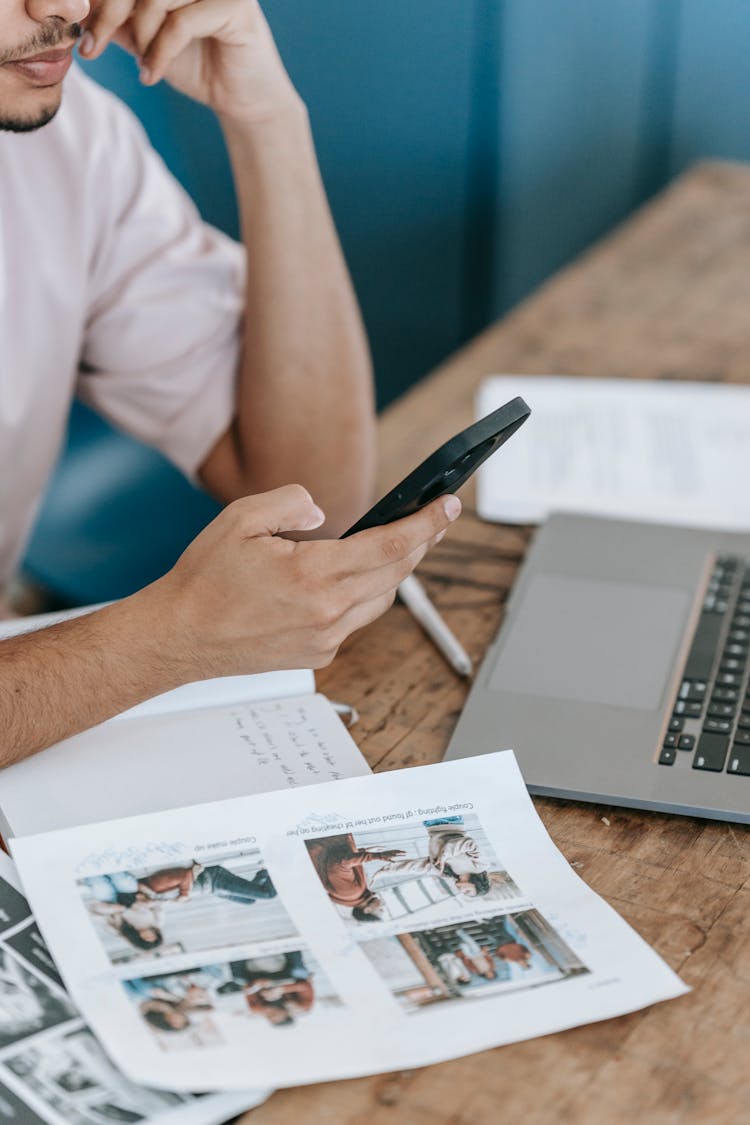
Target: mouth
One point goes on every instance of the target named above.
(48, 68)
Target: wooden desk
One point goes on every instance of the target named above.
(665, 296)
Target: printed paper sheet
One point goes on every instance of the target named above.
(670, 452)
(381, 922)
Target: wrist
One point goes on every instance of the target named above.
(285, 115)
(151, 626)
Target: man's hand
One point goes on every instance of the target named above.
(386, 853)
(240, 599)
(243, 599)
(219, 52)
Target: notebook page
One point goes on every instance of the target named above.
(159, 762)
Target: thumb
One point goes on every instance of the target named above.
(290, 508)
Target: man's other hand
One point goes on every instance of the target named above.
(219, 52)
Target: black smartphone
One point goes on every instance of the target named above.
(448, 467)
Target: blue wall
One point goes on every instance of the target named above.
(712, 82)
(469, 148)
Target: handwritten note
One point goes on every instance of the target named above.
(296, 740)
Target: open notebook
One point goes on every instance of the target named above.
(226, 737)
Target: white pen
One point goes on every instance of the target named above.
(413, 595)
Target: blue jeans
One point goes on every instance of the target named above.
(219, 881)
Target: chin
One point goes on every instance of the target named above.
(32, 118)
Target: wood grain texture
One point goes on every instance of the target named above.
(663, 297)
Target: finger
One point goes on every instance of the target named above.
(179, 28)
(102, 25)
(362, 585)
(364, 614)
(148, 18)
(365, 585)
(380, 546)
(290, 508)
(123, 37)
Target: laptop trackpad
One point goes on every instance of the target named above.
(592, 641)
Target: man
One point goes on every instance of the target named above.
(181, 883)
(247, 370)
(340, 865)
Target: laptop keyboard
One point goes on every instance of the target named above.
(710, 718)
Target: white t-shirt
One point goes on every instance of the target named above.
(112, 288)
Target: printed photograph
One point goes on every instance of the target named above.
(15, 1111)
(154, 912)
(474, 960)
(32, 947)
(72, 1075)
(200, 1007)
(392, 873)
(13, 906)
(27, 1003)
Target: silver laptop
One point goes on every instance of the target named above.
(620, 672)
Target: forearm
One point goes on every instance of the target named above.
(305, 395)
(61, 680)
(420, 866)
(185, 883)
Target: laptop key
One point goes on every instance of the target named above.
(686, 742)
(670, 741)
(718, 726)
(667, 756)
(721, 710)
(742, 738)
(676, 723)
(690, 708)
(701, 658)
(739, 760)
(725, 695)
(743, 722)
(693, 689)
(711, 752)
